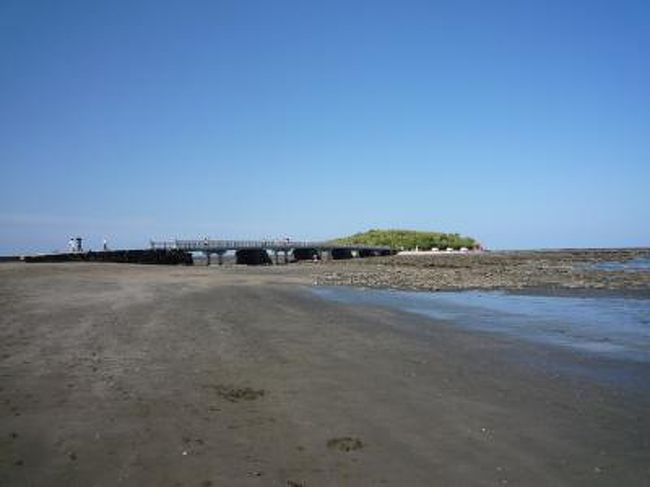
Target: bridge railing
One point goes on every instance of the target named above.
(225, 245)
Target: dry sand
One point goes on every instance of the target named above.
(159, 376)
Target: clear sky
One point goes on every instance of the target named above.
(522, 123)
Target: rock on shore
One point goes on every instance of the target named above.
(568, 269)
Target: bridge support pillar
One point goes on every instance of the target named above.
(207, 258)
(341, 253)
(286, 256)
(277, 258)
(220, 257)
(253, 256)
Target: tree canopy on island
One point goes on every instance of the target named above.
(409, 239)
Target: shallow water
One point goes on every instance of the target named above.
(638, 264)
(616, 327)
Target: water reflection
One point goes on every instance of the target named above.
(618, 327)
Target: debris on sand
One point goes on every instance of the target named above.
(345, 444)
(236, 394)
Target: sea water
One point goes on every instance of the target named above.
(616, 327)
(638, 264)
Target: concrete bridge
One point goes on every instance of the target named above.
(256, 252)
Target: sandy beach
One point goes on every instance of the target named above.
(116, 374)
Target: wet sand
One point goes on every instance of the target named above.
(117, 374)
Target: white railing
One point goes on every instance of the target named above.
(225, 245)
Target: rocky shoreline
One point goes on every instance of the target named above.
(512, 270)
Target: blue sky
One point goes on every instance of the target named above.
(523, 123)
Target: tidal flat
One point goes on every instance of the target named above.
(115, 374)
(557, 271)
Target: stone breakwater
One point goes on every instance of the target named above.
(553, 270)
(153, 256)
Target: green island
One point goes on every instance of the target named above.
(410, 239)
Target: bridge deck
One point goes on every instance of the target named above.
(273, 245)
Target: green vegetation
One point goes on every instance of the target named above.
(409, 239)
